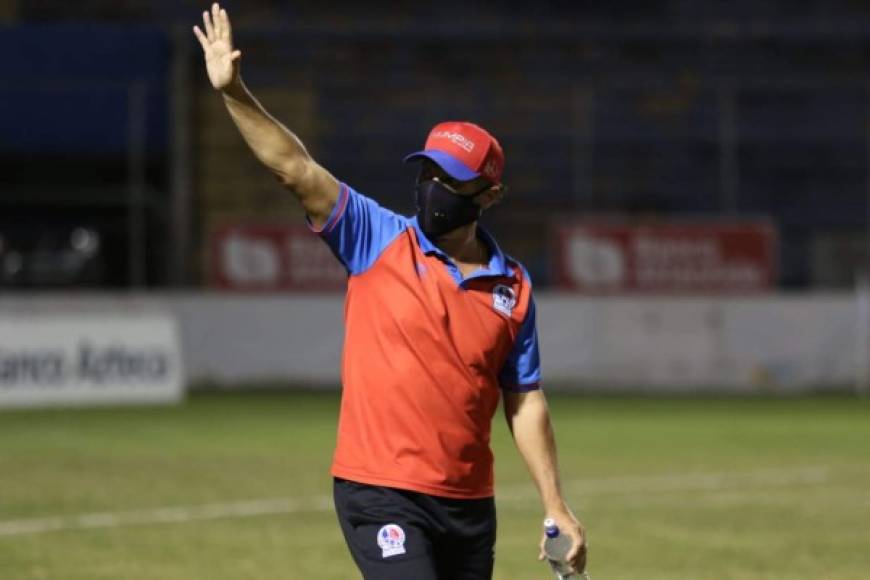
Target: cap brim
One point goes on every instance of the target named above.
(453, 166)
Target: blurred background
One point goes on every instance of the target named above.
(661, 152)
(113, 142)
(689, 187)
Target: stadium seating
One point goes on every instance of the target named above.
(600, 109)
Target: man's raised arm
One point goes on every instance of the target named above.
(273, 144)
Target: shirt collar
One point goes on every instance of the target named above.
(498, 264)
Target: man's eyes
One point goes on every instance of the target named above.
(450, 182)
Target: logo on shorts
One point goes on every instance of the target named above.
(391, 539)
(504, 299)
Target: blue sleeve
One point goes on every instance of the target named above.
(522, 369)
(358, 230)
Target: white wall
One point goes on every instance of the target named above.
(682, 344)
(774, 343)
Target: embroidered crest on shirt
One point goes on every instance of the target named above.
(504, 299)
(391, 539)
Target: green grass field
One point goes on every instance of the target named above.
(233, 486)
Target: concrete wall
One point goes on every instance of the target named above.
(774, 343)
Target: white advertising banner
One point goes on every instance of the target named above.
(89, 359)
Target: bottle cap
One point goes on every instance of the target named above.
(550, 528)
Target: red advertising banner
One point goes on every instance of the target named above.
(677, 257)
(265, 257)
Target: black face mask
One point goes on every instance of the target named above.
(440, 210)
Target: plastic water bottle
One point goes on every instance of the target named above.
(556, 548)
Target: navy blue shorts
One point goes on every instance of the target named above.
(395, 534)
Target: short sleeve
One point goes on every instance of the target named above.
(522, 369)
(358, 230)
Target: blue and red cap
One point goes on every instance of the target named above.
(464, 150)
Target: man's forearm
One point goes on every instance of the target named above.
(529, 420)
(273, 144)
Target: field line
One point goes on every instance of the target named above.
(676, 482)
(165, 515)
(682, 482)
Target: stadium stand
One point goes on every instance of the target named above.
(627, 110)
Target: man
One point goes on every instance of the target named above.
(440, 325)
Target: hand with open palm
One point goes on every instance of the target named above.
(222, 62)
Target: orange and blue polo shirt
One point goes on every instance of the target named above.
(427, 353)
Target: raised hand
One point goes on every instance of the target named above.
(221, 61)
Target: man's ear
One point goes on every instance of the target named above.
(490, 197)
